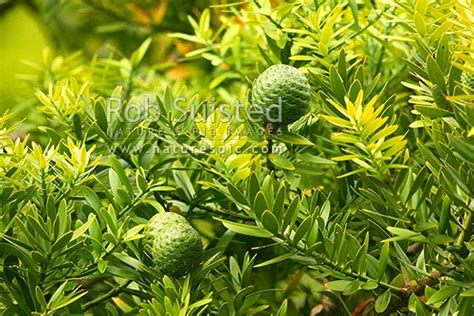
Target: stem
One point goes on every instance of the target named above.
(466, 227)
(280, 27)
(356, 275)
(326, 261)
(210, 209)
(113, 292)
(269, 130)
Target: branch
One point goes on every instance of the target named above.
(326, 261)
(113, 292)
(410, 289)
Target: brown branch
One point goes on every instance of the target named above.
(410, 289)
(362, 306)
(419, 287)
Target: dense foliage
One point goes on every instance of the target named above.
(362, 206)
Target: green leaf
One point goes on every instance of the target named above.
(419, 23)
(442, 294)
(429, 156)
(91, 198)
(432, 112)
(69, 300)
(339, 285)
(40, 297)
(465, 149)
(370, 285)
(202, 302)
(294, 139)
(83, 228)
(114, 181)
(315, 159)
(337, 84)
(57, 295)
(260, 205)
(381, 303)
(133, 233)
(236, 194)
(39, 257)
(435, 73)
(130, 261)
(468, 293)
(115, 164)
(267, 59)
(278, 205)
(442, 53)
(253, 186)
(51, 206)
(244, 229)
(291, 213)
(38, 227)
(325, 211)
(138, 55)
(76, 122)
(352, 288)
(341, 60)
(181, 177)
(404, 234)
(155, 204)
(281, 162)
(273, 46)
(101, 118)
(275, 260)
(444, 215)
(382, 265)
(361, 256)
(270, 222)
(102, 265)
(283, 308)
(204, 21)
(421, 6)
(123, 272)
(420, 309)
(419, 179)
(302, 229)
(62, 241)
(466, 306)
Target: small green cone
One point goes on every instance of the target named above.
(467, 80)
(175, 246)
(281, 95)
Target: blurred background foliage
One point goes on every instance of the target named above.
(94, 27)
(22, 37)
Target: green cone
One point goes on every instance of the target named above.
(467, 80)
(281, 94)
(174, 244)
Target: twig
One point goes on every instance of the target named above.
(113, 292)
(269, 131)
(326, 261)
(410, 289)
(362, 306)
(466, 228)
